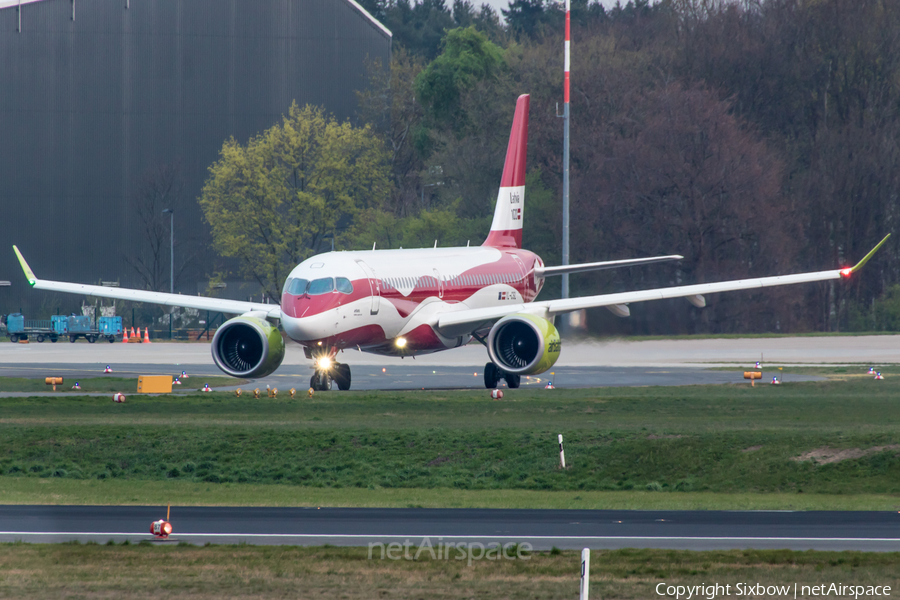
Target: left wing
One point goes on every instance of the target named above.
(478, 317)
(235, 307)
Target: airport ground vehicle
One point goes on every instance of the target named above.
(76, 327)
(18, 328)
(73, 327)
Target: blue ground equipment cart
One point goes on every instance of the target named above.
(110, 327)
(76, 327)
(59, 326)
(17, 328)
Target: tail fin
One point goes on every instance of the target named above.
(506, 230)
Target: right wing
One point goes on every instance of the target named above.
(235, 307)
(473, 319)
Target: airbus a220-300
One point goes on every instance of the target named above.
(409, 302)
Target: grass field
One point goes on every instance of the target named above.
(54, 490)
(820, 440)
(220, 572)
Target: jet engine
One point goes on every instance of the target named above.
(523, 344)
(248, 347)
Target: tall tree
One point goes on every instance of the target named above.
(270, 203)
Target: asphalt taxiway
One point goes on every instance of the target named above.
(400, 377)
(543, 529)
(581, 364)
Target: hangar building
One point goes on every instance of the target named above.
(98, 96)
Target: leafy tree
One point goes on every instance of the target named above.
(270, 203)
(468, 57)
(419, 25)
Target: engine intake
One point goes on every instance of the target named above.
(248, 347)
(523, 344)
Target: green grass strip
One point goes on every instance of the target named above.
(24, 490)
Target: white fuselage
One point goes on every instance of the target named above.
(395, 297)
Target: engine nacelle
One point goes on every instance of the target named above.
(248, 347)
(523, 344)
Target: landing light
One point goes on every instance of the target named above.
(401, 342)
(324, 363)
(846, 271)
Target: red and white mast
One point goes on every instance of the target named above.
(565, 223)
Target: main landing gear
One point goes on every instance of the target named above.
(492, 375)
(336, 372)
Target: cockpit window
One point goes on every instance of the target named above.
(297, 286)
(317, 287)
(344, 285)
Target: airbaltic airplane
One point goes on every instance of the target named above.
(409, 302)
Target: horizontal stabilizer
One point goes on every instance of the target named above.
(599, 266)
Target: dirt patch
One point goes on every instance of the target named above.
(751, 449)
(663, 437)
(826, 455)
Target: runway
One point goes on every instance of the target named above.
(543, 529)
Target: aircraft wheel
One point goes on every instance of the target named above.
(40, 338)
(320, 382)
(512, 380)
(491, 375)
(342, 376)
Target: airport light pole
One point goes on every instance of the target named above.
(171, 214)
(565, 218)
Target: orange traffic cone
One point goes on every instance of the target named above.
(137, 339)
(124, 335)
(132, 331)
(146, 335)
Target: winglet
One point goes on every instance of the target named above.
(32, 279)
(866, 258)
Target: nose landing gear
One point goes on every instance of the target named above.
(336, 372)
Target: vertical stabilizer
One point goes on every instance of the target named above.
(506, 229)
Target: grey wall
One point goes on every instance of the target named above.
(88, 106)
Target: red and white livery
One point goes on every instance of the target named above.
(409, 302)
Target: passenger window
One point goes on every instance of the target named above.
(317, 287)
(344, 286)
(298, 287)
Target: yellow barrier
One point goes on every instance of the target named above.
(154, 384)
